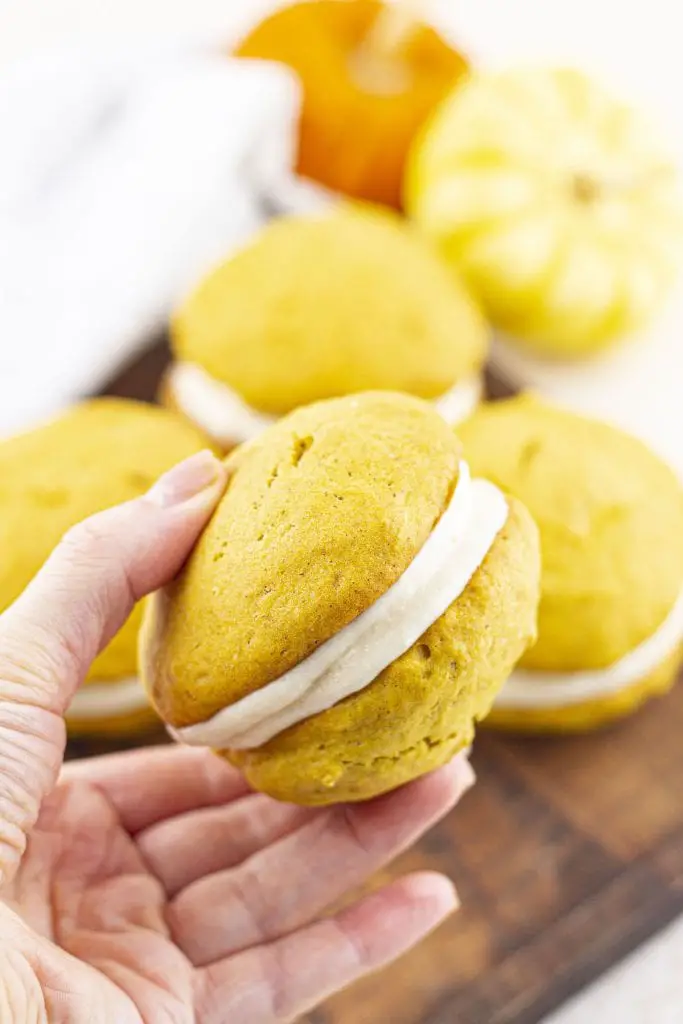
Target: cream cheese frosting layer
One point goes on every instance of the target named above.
(538, 689)
(462, 399)
(224, 416)
(214, 407)
(107, 700)
(354, 657)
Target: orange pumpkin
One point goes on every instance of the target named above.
(360, 112)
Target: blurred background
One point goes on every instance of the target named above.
(637, 46)
(100, 49)
(561, 877)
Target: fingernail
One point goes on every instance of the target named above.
(453, 896)
(465, 775)
(186, 480)
(437, 887)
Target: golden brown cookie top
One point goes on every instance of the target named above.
(96, 455)
(315, 307)
(322, 514)
(610, 515)
(424, 706)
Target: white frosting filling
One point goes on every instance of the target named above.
(354, 657)
(228, 419)
(462, 399)
(213, 406)
(538, 689)
(107, 700)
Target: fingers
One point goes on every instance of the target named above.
(289, 883)
(191, 846)
(279, 982)
(81, 597)
(149, 786)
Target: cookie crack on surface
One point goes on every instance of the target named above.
(299, 448)
(427, 743)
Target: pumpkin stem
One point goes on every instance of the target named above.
(585, 189)
(378, 61)
(393, 27)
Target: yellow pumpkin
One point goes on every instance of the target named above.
(555, 201)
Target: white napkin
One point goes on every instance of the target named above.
(125, 174)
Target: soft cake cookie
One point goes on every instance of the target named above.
(96, 455)
(318, 307)
(610, 516)
(352, 608)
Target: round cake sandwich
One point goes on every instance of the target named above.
(319, 307)
(610, 515)
(351, 610)
(96, 455)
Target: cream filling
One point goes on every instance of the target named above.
(214, 407)
(228, 419)
(107, 700)
(354, 657)
(528, 688)
(462, 399)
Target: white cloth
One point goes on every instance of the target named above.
(125, 173)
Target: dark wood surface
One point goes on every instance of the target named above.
(567, 855)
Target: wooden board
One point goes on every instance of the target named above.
(567, 854)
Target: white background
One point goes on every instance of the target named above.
(637, 47)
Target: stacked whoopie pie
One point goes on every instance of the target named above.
(352, 608)
(610, 515)
(368, 587)
(96, 455)
(316, 307)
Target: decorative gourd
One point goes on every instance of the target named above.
(555, 202)
(371, 74)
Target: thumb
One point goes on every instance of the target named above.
(68, 613)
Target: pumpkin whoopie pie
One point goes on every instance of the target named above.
(95, 455)
(352, 608)
(316, 307)
(610, 515)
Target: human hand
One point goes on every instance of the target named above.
(153, 886)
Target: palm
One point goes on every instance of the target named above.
(170, 927)
(83, 885)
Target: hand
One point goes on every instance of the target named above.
(152, 886)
